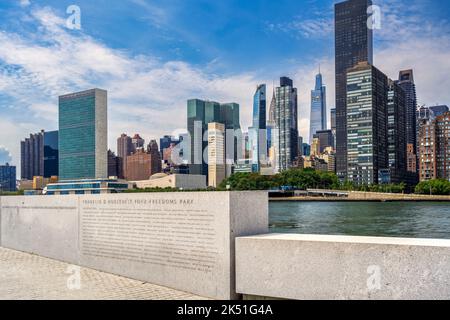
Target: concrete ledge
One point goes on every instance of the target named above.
(315, 267)
(183, 241)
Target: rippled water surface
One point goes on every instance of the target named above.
(390, 219)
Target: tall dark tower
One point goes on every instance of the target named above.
(353, 44)
(406, 82)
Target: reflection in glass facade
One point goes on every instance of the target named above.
(83, 135)
(367, 153)
(51, 162)
(318, 120)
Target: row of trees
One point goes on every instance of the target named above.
(301, 179)
(434, 187)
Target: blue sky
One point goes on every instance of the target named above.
(153, 55)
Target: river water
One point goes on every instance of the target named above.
(388, 219)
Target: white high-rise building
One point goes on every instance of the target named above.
(216, 154)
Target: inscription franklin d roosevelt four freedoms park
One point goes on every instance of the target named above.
(143, 231)
(183, 241)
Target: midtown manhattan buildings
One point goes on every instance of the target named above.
(367, 154)
(318, 119)
(354, 43)
(83, 135)
(200, 114)
(286, 125)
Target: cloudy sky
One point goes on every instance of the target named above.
(153, 55)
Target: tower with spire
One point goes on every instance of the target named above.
(318, 119)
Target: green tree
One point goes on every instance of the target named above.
(434, 187)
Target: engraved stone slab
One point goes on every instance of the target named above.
(46, 226)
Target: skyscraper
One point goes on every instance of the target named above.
(7, 178)
(197, 121)
(39, 155)
(83, 152)
(427, 150)
(124, 149)
(333, 129)
(325, 139)
(114, 164)
(156, 162)
(333, 120)
(439, 110)
(397, 146)
(258, 132)
(406, 82)
(443, 146)
(434, 148)
(270, 128)
(286, 125)
(354, 43)
(32, 156)
(51, 154)
(137, 142)
(216, 154)
(318, 119)
(138, 166)
(367, 154)
(200, 114)
(165, 142)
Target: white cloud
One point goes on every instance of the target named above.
(5, 155)
(145, 94)
(24, 3)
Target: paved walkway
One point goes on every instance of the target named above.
(25, 276)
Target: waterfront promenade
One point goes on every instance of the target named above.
(25, 276)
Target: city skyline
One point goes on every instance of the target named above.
(236, 86)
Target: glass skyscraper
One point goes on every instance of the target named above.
(200, 114)
(286, 125)
(354, 43)
(83, 135)
(397, 146)
(258, 132)
(406, 82)
(7, 178)
(51, 154)
(318, 120)
(367, 92)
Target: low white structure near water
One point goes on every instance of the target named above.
(174, 181)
